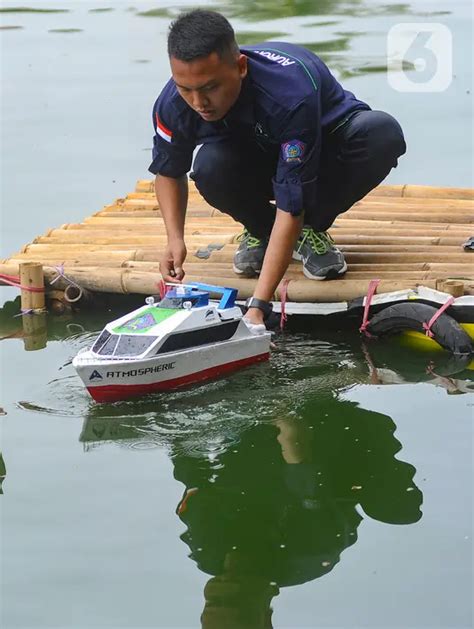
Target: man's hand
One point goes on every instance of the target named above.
(171, 263)
(254, 320)
(254, 315)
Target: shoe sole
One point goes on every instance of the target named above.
(248, 272)
(331, 275)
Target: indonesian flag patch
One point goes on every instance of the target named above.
(162, 131)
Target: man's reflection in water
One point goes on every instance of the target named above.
(279, 508)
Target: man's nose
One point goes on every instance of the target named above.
(199, 101)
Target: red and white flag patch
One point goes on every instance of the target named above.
(162, 131)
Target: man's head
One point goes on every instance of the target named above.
(206, 62)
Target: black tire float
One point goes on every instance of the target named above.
(411, 316)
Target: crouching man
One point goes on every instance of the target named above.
(274, 125)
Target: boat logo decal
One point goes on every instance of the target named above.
(94, 375)
(209, 315)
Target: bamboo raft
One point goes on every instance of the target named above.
(405, 235)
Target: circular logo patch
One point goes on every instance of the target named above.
(293, 151)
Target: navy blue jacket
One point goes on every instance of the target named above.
(289, 98)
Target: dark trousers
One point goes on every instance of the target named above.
(236, 176)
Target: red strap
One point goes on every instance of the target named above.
(370, 293)
(283, 298)
(427, 326)
(13, 280)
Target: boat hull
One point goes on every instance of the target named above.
(110, 381)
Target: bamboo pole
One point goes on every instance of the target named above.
(194, 240)
(410, 190)
(421, 202)
(75, 235)
(433, 192)
(134, 281)
(397, 228)
(35, 334)
(31, 276)
(226, 255)
(211, 267)
(56, 302)
(225, 269)
(453, 287)
(343, 222)
(410, 217)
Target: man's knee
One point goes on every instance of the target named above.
(386, 137)
(214, 162)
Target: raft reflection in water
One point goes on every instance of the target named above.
(273, 501)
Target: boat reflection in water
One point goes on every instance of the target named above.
(279, 468)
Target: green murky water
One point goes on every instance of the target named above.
(331, 487)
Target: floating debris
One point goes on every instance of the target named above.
(2, 412)
(10, 28)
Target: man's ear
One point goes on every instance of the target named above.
(242, 63)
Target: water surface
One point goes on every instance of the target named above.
(331, 487)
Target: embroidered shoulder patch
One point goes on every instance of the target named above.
(293, 151)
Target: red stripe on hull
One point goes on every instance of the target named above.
(115, 392)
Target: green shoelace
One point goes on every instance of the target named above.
(320, 242)
(251, 241)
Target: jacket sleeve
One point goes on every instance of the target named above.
(173, 143)
(296, 180)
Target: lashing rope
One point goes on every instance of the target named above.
(60, 273)
(370, 293)
(427, 326)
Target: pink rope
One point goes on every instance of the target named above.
(427, 326)
(13, 280)
(370, 293)
(283, 298)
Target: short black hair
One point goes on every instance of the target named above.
(199, 33)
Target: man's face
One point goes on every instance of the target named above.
(210, 85)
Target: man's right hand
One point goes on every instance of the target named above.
(171, 263)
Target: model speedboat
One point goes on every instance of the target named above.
(180, 339)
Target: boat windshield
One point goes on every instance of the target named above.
(122, 344)
(104, 335)
(133, 344)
